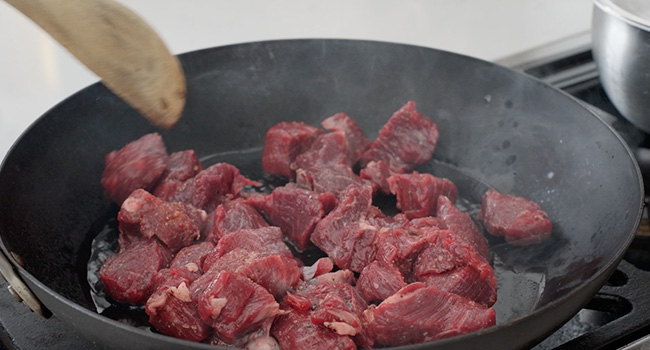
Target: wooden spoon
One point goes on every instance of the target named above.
(118, 46)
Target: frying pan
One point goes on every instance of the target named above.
(498, 128)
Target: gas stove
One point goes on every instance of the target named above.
(618, 317)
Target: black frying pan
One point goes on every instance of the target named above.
(498, 128)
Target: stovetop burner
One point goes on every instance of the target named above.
(618, 317)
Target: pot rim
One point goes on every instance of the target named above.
(611, 7)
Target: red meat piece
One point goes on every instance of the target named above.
(317, 293)
(234, 305)
(320, 267)
(128, 275)
(407, 139)
(357, 143)
(284, 142)
(294, 330)
(182, 166)
(209, 188)
(463, 225)
(265, 240)
(334, 179)
(444, 254)
(233, 216)
(175, 224)
(417, 194)
(379, 280)
(172, 311)
(519, 220)
(276, 273)
(191, 258)
(345, 231)
(332, 313)
(327, 149)
(418, 313)
(139, 164)
(295, 210)
(378, 173)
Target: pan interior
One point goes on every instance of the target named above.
(497, 128)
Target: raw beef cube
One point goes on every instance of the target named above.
(416, 225)
(233, 216)
(466, 282)
(284, 142)
(175, 224)
(332, 313)
(265, 240)
(379, 280)
(294, 330)
(332, 179)
(296, 211)
(182, 166)
(128, 275)
(519, 220)
(418, 313)
(139, 164)
(356, 141)
(378, 173)
(191, 257)
(345, 230)
(172, 311)
(417, 194)
(130, 214)
(327, 149)
(317, 294)
(340, 276)
(276, 273)
(463, 225)
(320, 267)
(446, 253)
(408, 247)
(408, 138)
(234, 305)
(209, 188)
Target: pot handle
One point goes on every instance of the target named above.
(19, 289)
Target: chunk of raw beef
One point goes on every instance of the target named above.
(234, 305)
(182, 166)
(139, 164)
(333, 313)
(295, 210)
(294, 330)
(191, 258)
(379, 280)
(209, 188)
(418, 313)
(357, 143)
(172, 311)
(284, 142)
(407, 139)
(327, 149)
(417, 194)
(265, 240)
(276, 273)
(463, 225)
(519, 220)
(378, 173)
(128, 275)
(175, 224)
(345, 234)
(233, 216)
(320, 267)
(332, 179)
(448, 257)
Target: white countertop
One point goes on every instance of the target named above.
(36, 73)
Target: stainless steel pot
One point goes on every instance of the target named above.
(621, 49)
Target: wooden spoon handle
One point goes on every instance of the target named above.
(120, 48)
